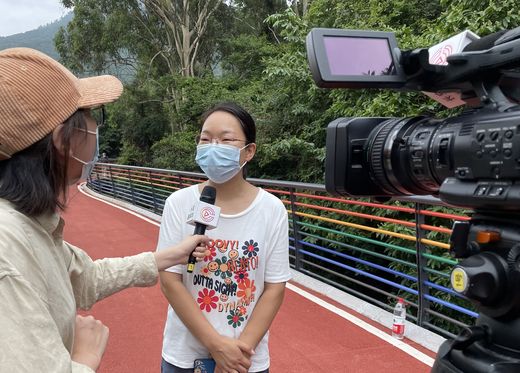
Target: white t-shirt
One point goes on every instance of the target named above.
(247, 250)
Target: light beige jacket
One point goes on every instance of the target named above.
(43, 280)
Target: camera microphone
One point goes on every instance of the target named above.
(204, 215)
(484, 43)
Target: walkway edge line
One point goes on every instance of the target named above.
(364, 325)
(146, 215)
(413, 332)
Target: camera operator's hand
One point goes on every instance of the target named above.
(90, 341)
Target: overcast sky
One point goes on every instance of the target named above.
(23, 15)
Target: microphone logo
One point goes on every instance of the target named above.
(207, 214)
(441, 56)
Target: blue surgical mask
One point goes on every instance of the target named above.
(88, 166)
(219, 162)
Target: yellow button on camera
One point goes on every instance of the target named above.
(459, 280)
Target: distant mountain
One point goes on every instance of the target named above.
(41, 39)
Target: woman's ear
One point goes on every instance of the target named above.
(57, 140)
(250, 151)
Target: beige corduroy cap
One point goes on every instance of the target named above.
(37, 94)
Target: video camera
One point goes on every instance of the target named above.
(469, 160)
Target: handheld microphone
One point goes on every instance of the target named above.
(203, 215)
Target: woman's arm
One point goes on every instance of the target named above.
(31, 341)
(94, 280)
(229, 353)
(180, 253)
(263, 314)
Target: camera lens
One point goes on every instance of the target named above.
(398, 151)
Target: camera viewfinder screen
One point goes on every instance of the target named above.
(358, 56)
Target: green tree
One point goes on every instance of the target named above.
(162, 42)
(105, 32)
(250, 15)
(176, 152)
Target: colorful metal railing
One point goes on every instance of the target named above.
(375, 251)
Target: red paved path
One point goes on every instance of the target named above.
(304, 337)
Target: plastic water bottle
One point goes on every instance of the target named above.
(399, 319)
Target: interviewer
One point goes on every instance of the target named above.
(48, 141)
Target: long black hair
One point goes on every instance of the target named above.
(35, 179)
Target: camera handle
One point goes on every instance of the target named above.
(474, 351)
(491, 96)
(488, 276)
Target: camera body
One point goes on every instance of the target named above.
(470, 160)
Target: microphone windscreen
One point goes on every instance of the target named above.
(208, 195)
(484, 42)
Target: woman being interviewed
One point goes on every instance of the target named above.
(48, 141)
(224, 308)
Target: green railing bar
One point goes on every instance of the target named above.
(368, 252)
(440, 259)
(121, 180)
(369, 240)
(379, 243)
(435, 272)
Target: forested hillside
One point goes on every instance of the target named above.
(186, 58)
(41, 39)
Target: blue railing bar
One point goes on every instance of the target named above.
(344, 277)
(452, 306)
(140, 187)
(371, 241)
(102, 183)
(163, 192)
(142, 196)
(444, 289)
(447, 318)
(350, 279)
(101, 186)
(354, 259)
(380, 279)
(342, 287)
(346, 289)
(139, 196)
(365, 251)
(103, 190)
(123, 192)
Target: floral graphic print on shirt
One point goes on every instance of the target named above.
(224, 282)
